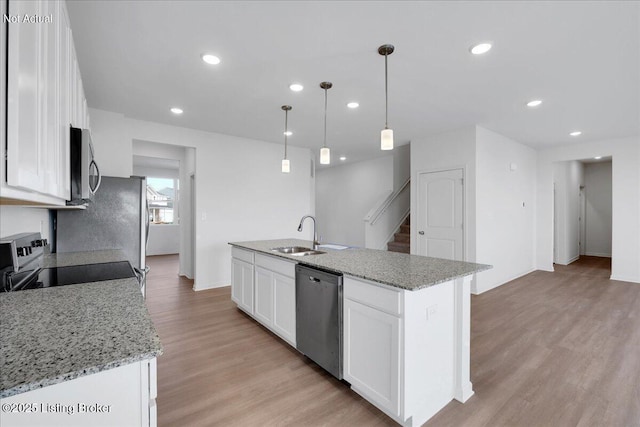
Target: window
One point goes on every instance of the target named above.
(162, 195)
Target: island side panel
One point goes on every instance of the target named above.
(429, 351)
(463, 386)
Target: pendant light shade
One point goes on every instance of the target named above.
(386, 136)
(325, 156)
(325, 152)
(386, 139)
(286, 166)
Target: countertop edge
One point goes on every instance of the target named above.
(301, 260)
(45, 382)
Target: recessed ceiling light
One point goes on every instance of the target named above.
(353, 105)
(534, 103)
(288, 133)
(210, 59)
(176, 110)
(576, 133)
(296, 87)
(343, 158)
(598, 157)
(481, 48)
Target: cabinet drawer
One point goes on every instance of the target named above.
(242, 254)
(277, 265)
(373, 295)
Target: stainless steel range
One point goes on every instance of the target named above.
(21, 265)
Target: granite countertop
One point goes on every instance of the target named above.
(67, 259)
(56, 334)
(411, 272)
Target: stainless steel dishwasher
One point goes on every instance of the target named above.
(319, 317)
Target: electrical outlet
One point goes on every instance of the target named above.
(431, 311)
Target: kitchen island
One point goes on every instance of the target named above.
(80, 354)
(406, 319)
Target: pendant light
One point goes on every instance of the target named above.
(325, 153)
(386, 136)
(286, 167)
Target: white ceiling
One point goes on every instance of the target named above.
(581, 58)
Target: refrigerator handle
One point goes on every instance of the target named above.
(146, 226)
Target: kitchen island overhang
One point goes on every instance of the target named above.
(406, 322)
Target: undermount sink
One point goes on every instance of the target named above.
(297, 251)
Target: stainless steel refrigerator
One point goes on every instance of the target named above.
(117, 218)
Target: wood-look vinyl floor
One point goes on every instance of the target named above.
(547, 349)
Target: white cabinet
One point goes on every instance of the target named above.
(372, 352)
(43, 90)
(272, 290)
(122, 396)
(284, 306)
(242, 284)
(264, 295)
(275, 291)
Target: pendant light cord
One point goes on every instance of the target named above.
(325, 118)
(386, 94)
(286, 116)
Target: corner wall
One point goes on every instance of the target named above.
(568, 177)
(598, 212)
(505, 208)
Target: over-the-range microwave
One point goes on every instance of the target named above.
(85, 174)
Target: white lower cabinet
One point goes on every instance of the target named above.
(122, 396)
(275, 290)
(372, 354)
(284, 306)
(272, 290)
(264, 296)
(242, 279)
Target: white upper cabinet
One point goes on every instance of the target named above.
(44, 97)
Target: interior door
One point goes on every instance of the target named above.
(440, 215)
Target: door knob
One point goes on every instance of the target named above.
(421, 233)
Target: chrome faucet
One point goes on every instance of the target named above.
(315, 234)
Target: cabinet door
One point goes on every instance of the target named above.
(372, 354)
(64, 104)
(242, 284)
(25, 98)
(284, 307)
(264, 296)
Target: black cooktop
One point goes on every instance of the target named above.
(60, 276)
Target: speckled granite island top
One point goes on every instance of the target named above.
(56, 334)
(404, 271)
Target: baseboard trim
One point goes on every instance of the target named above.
(199, 287)
(598, 254)
(625, 279)
(531, 270)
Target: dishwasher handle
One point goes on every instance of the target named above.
(314, 279)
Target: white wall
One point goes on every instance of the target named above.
(505, 208)
(456, 149)
(113, 148)
(164, 239)
(597, 181)
(15, 219)
(241, 193)
(568, 178)
(346, 193)
(625, 244)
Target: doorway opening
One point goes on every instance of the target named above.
(170, 172)
(583, 214)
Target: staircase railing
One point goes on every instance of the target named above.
(386, 216)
